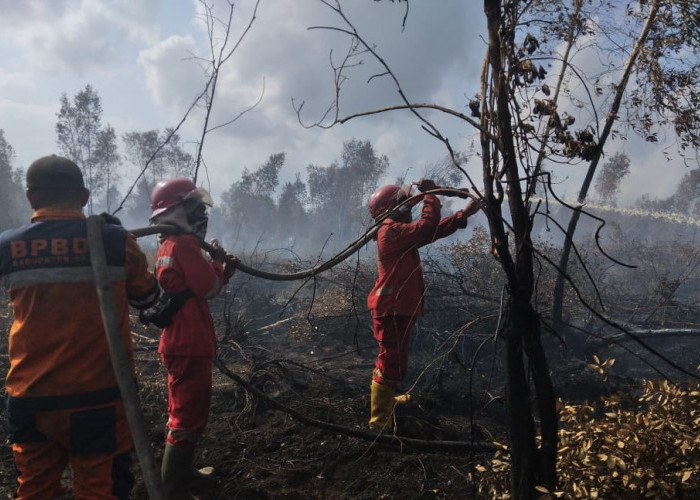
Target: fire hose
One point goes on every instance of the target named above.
(120, 361)
(324, 266)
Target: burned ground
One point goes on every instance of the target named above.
(291, 389)
(260, 451)
(318, 366)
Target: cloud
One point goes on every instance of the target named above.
(282, 59)
(171, 75)
(139, 57)
(75, 36)
(32, 124)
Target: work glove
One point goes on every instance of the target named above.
(472, 207)
(230, 266)
(110, 219)
(217, 253)
(424, 185)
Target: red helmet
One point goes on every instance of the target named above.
(385, 198)
(169, 193)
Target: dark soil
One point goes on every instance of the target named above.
(259, 451)
(301, 432)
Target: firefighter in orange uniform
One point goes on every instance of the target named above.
(188, 345)
(396, 300)
(63, 403)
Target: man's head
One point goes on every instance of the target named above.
(386, 198)
(179, 202)
(55, 181)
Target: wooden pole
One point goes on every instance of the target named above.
(120, 360)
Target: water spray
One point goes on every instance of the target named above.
(640, 212)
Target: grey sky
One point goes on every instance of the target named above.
(137, 55)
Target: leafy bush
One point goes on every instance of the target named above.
(621, 447)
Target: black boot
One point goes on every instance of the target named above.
(176, 472)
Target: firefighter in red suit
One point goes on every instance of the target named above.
(188, 345)
(396, 300)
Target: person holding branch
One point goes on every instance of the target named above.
(396, 300)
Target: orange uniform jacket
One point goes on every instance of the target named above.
(399, 288)
(180, 265)
(59, 357)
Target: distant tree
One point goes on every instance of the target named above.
(443, 171)
(109, 161)
(607, 182)
(685, 199)
(138, 149)
(248, 204)
(338, 193)
(138, 208)
(264, 181)
(83, 138)
(159, 155)
(292, 218)
(14, 206)
(178, 162)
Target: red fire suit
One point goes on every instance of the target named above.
(63, 402)
(188, 345)
(397, 297)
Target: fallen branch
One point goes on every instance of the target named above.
(442, 446)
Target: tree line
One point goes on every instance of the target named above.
(256, 210)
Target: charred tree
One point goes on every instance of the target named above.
(530, 465)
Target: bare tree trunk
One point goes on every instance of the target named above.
(530, 466)
(521, 427)
(546, 400)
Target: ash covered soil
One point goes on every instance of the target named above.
(260, 451)
(292, 422)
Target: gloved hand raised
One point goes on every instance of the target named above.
(472, 207)
(424, 185)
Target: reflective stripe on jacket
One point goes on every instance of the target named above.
(57, 344)
(180, 264)
(399, 287)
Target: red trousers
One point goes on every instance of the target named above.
(189, 397)
(393, 333)
(96, 442)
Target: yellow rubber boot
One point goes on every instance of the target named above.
(402, 399)
(381, 407)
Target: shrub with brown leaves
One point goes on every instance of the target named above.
(621, 448)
